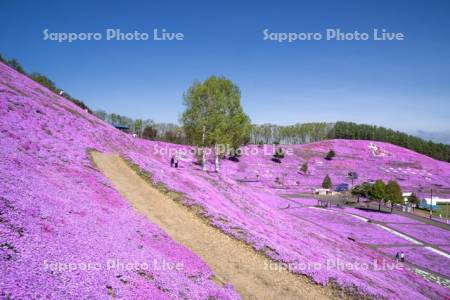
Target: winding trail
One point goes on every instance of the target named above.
(230, 260)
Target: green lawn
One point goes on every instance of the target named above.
(444, 210)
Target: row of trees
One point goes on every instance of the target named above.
(349, 130)
(214, 116)
(381, 192)
(147, 128)
(43, 80)
(292, 134)
(312, 132)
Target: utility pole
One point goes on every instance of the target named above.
(431, 203)
(447, 211)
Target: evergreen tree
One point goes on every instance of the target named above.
(327, 184)
(330, 155)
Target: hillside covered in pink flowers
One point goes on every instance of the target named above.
(55, 206)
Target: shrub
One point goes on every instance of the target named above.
(42, 79)
(330, 155)
(279, 153)
(277, 160)
(304, 168)
(13, 63)
(234, 158)
(80, 104)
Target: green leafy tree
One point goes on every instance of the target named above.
(327, 184)
(214, 116)
(101, 114)
(330, 155)
(378, 192)
(138, 127)
(13, 63)
(44, 80)
(413, 199)
(149, 133)
(393, 193)
(361, 190)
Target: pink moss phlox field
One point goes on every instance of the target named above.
(56, 209)
(381, 217)
(348, 226)
(56, 206)
(425, 233)
(421, 257)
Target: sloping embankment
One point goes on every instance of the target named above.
(231, 261)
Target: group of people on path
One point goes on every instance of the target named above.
(400, 256)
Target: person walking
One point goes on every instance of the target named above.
(172, 161)
(402, 256)
(397, 256)
(177, 158)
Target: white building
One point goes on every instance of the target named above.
(406, 196)
(433, 202)
(321, 191)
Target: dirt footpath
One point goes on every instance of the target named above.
(231, 261)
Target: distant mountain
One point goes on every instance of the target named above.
(435, 136)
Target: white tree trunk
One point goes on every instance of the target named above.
(216, 159)
(203, 160)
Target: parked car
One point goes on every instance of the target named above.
(343, 187)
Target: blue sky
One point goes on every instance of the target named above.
(398, 84)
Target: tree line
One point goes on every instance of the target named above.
(313, 132)
(353, 131)
(291, 134)
(45, 81)
(146, 128)
(383, 193)
(217, 94)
